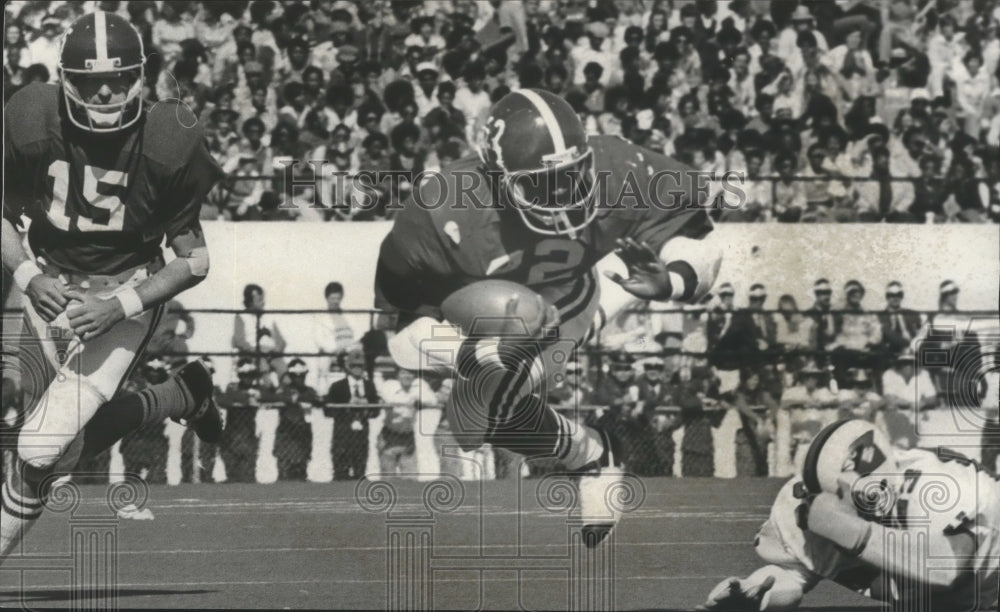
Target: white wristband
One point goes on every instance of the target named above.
(25, 272)
(130, 301)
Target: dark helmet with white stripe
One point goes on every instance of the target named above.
(101, 67)
(537, 146)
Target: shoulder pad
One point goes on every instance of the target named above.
(171, 132)
(32, 114)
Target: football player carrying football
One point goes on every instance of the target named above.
(103, 180)
(916, 528)
(513, 235)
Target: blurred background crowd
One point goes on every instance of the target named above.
(846, 110)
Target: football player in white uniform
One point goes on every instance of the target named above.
(911, 527)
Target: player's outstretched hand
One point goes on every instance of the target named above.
(736, 595)
(48, 296)
(647, 273)
(94, 315)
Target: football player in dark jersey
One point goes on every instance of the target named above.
(540, 206)
(102, 180)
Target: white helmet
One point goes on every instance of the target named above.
(856, 454)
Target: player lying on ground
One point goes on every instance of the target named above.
(537, 209)
(914, 527)
(103, 181)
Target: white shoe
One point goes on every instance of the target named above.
(599, 483)
(132, 512)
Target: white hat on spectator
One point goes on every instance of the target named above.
(422, 66)
(726, 289)
(802, 13)
(920, 93)
(757, 290)
(894, 287)
(948, 287)
(822, 285)
(654, 361)
(598, 29)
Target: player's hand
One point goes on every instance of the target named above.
(647, 273)
(94, 315)
(48, 296)
(549, 321)
(736, 595)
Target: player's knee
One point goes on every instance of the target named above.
(36, 457)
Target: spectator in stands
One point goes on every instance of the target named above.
(720, 318)
(240, 400)
(825, 322)
(350, 425)
(170, 28)
(763, 323)
(795, 335)
(400, 452)
(907, 393)
(882, 199)
(789, 193)
(572, 391)
(804, 410)
(757, 410)
(293, 438)
(332, 333)
(899, 325)
(592, 50)
(44, 49)
(929, 192)
(697, 398)
(859, 335)
(646, 456)
(256, 332)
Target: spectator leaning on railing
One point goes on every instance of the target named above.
(350, 425)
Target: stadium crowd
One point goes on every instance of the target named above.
(829, 111)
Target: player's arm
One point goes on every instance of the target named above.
(895, 551)
(95, 315)
(672, 252)
(47, 295)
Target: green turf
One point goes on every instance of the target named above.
(490, 546)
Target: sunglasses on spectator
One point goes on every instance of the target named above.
(894, 295)
(824, 292)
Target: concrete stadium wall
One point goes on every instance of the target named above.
(294, 262)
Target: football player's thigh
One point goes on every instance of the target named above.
(90, 375)
(580, 316)
(38, 351)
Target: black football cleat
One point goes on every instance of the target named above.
(204, 419)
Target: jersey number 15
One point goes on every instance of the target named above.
(61, 218)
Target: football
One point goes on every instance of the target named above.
(481, 309)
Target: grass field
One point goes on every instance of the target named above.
(490, 545)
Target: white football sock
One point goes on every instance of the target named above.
(579, 444)
(18, 514)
